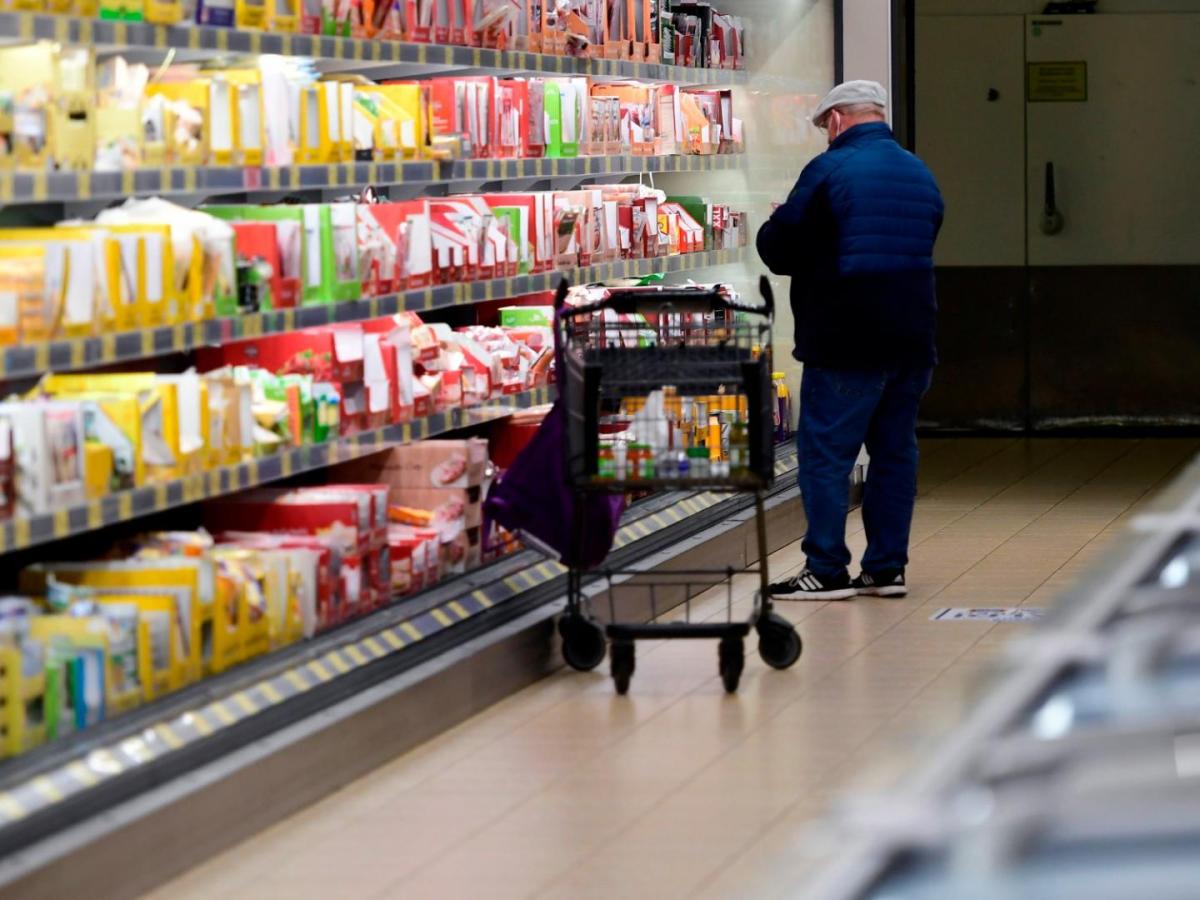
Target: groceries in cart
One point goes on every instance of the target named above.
(663, 387)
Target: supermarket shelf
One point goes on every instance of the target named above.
(32, 360)
(380, 642)
(29, 531)
(207, 40)
(211, 181)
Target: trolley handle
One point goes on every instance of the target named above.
(669, 300)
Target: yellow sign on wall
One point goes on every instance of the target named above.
(1056, 82)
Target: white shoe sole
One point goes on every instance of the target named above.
(839, 594)
(893, 591)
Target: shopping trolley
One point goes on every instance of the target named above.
(668, 389)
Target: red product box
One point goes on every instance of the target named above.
(260, 240)
(402, 548)
(389, 358)
(405, 226)
(373, 500)
(416, 555)
(346, 517)
(329, 354)
(329, 567)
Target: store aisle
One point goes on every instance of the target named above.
(566, 790)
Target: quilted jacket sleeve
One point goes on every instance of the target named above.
(784, 233)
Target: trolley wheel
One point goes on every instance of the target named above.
(732, 658)
(583, 642)
(622, 662)
(779, 643)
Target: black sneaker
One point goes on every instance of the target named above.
(810, 586)
(885, 584)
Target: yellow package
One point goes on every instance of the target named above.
(244, 571)
(193, 421)
(161, 642)
(119, 617)
(79, 644)
(115, 422)
(73, 270)
(283, 600)
(22, 288)
(148, 261)
(22, 687)
(224, 418)
(98, 470)
(163, 12)
(402, 118)
(283, 16)
(53, 91)
(158, 402)
(191, 581)
(317, 140)
(188, 142)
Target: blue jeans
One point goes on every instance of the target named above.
(840, 411)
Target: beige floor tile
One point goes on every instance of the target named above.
(678, 790)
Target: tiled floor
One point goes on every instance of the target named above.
(566, 790)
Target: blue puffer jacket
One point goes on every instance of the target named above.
(856, 234)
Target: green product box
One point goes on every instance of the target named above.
(527, 317)
(700, 209)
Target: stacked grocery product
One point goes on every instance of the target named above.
(79, 437)
(306, 153)
(688, 33)
(149, 262)
(66, 111)
(696, 35)
(87, 640)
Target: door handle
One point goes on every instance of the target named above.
(1052, 219)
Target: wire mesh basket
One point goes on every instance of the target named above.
(668, 387)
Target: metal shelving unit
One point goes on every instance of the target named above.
(214, 181)
(269, 685)
(58, 784)
(209, 41)
(22, 532)
(30, 360)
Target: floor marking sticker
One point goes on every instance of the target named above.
(988, 614)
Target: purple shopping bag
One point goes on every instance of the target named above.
(533, 498)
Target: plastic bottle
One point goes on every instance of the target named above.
(606, 465)
(739, 449)
(698, 463)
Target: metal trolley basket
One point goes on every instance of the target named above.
(685, 372)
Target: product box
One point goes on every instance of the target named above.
(206, 626)
(346, 516)
(425, 464)
(331, 353)
(48, 445)
(260, 243)
(446, 504)
(527, 317)
(396, 251)
(321, 575)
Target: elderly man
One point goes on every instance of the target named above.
(856, 235)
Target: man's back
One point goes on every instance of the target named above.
(857, 235)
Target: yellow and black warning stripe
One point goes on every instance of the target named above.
(154, 742)
(35, 359)
(18, 187)
(28, 531)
